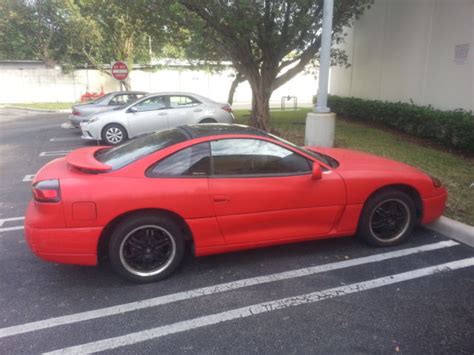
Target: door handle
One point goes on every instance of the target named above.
(198, 110)
(162, 114)
(220, 198)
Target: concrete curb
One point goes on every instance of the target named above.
(34, 109)
(454, 230)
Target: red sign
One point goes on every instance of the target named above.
(120, 70)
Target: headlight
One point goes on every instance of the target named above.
(436, 182)
(93, 119)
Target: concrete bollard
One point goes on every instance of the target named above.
(320, 129)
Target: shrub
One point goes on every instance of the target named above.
(450, 128)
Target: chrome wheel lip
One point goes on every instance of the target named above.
(114, 135)
(160, 269)
(405, 226)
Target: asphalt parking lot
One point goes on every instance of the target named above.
(333, 296)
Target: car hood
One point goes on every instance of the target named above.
(352, 160)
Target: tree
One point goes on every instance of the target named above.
(33, 30)
(190, 39)
(269, 41)
(106, 31)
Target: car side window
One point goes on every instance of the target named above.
(182, 101)
(120, 100)
(193, 161)
(152, 103)
(255, 157)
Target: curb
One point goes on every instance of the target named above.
(454, 230)
(34, 109)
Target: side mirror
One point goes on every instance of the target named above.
(133, 109)
(317, 172)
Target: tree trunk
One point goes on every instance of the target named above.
(260, 115)
(126, 84)
(237, 80)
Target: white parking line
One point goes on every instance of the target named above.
(29, 177)
(64, 139)
(54, 153)
(66, 125)
(265, 307)
(223, 287)
(9, 229)
(12, 219)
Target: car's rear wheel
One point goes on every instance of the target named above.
(387, 219)
(114, 134)
(146, 248)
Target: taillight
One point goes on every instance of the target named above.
(76, 113)
(47, 191)
(227, 108)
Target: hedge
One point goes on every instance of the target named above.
(450, 128)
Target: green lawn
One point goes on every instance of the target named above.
(456, 172)
(46, 105)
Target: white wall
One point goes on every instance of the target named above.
(52, 85)
(404, 50)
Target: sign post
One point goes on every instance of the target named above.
(120, 71)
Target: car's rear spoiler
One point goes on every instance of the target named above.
(84, 158)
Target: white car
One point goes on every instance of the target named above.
(154, 112)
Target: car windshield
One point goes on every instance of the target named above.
(139, 147)
(326, 159)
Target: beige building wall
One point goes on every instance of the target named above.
(402, 50)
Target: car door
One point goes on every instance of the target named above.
(263, 191)
(182, 179)
(148, 115)
(183, 110)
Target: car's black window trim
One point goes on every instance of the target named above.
(229, 176)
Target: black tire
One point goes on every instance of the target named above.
(388, 218)
(138, 244)
(208, 120)
(114, 134)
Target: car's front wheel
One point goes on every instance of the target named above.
(114, 134)
(146, 248)
(388, 218)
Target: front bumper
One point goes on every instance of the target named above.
(75, 121)
(433, 207)
(88, 133)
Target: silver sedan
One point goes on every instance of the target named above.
(82, 112)
(152, 113)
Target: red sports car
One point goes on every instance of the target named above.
(222, 188)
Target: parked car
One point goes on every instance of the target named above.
(221, 188)
(154, 112)
(82, 112)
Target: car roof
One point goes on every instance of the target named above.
(127, 92)
(180, 93)
(218, 129)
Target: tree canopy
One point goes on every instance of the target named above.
(269, 41)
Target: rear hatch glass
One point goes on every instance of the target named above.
(139, 147)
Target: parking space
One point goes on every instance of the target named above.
(335, 296)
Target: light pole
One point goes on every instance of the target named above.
(320, 124)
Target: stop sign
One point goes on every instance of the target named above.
(120, 70)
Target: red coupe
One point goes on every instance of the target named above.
(222, 188)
